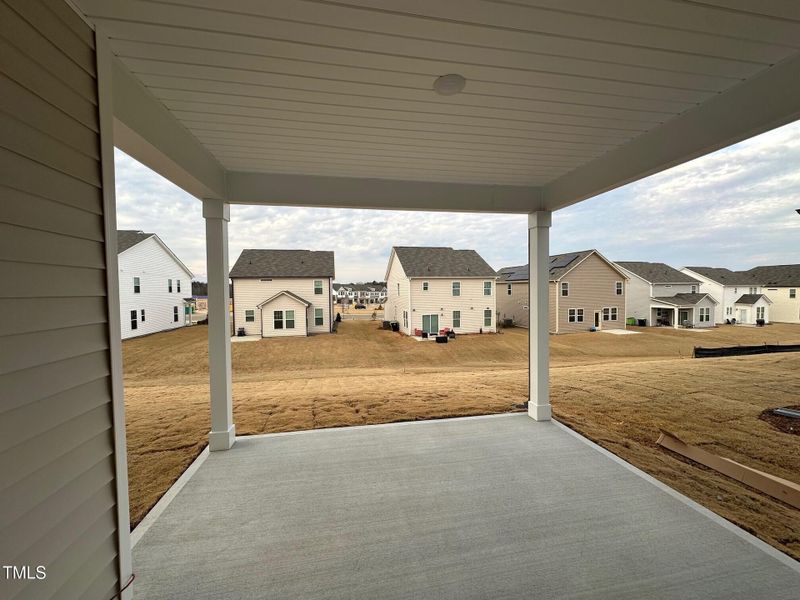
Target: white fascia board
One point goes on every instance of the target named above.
(147, 131)
(766, 101)
(383, 194)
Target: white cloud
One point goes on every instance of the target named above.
(732, 208)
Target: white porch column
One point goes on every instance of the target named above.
(223, 432)
(538, 310)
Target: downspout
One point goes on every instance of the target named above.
(558, 319)
(410, 318)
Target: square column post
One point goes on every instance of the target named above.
(223, 433)
(538, 310)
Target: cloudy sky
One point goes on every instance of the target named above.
(733, 208)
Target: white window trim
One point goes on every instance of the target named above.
(321, 287)
(246, 316)
(454, 318)
(619, 288)
(508, 289)
(276, 318)
(575, 317)
(606, 313)
(321, 316)
(491, 288)
(426, 286)
(286, 319)
(487, 310)
(564, 288)
(453, 289)
(614, 314)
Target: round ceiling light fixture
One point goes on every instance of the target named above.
(448, 85)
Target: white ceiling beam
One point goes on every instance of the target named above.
(766, 101)
(147, 131)
(385, 194)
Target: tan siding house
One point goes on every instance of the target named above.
(586, 290)
(430, 289)
(279, 293)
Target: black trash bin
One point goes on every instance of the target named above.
(642, 322)
(387, 325)
(441, 339)
(240, 332)
(395, 326)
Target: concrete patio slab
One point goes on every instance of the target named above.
(487, 507)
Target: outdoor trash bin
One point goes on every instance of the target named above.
(240, 332)
(441, 339)
(395, 326)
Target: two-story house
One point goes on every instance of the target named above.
(283, 292)
(152, 285)
(660, 295)
(781, 284)
(739, 294)
(586, 290)
(429, 289)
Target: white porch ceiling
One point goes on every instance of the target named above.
(344, 89)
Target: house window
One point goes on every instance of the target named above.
(142, 315)
(175, 314)
(618, 288)
(137, 288)
(319, 319)
(456, 318)
(424, 286)
(487, 288)
(487, 317)
(508, 289)
(250, 316)
(169, 285)
(705, 314)
(575, 315)
(289, 319)
(456, 288)
(178, 285)
(759, 312)
(606, 314)
(793, 293)
(277, 319)
(694, 289)
(729, 310)
(565, 288)
(754, 290)
(398, 289)
(318, 287)
(613, 313)
(134, 323)
(405, 319)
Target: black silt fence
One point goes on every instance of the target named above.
(700, 352)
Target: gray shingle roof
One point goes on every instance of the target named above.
(750, 298)
(442, 262)
(726, 276)
(283, 263)
(128, 238)
(286, 293)
(560, 265)
(777, 275)
(656, 272)
(682, 299)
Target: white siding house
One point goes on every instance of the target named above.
(726, 287)
(781, 284)
(663, 296)
(430, 289)
(153, 283)
(279, 293)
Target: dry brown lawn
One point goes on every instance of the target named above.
(616, 390)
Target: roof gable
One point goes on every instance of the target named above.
(291, 295)
(560, 265)
(725, 276)
(751, 299)
(656, 272)
(419, 261)
(684, 299)
(128, 238)
(283, 263)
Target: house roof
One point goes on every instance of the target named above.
(683, 299)
(283, 263)
(284, 293)
(655, 272)
(752, 299)
(128, 238)
(560, 265)
(418, 261)
(726, 276)
(777, 275)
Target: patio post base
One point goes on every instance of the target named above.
(222, 440)
(540, 412)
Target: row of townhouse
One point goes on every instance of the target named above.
(427, 289)
(364, 293)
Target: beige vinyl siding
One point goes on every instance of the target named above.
(439, 300)
(592, 288)
(784, 309)
(552, 313)
(515, 306)
(284, 303)
(396, 303)
(57, 470)
(249, 293)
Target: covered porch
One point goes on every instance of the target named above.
(478, 507)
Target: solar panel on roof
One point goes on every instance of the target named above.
(559, 262)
